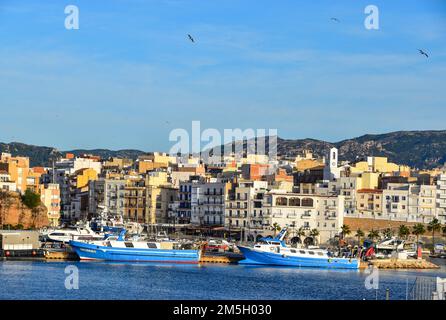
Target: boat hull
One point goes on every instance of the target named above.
(277, 259)
(87, 251)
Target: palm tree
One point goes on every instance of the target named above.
(388, 233)
(345, 230)
(275, 227)
(373, 234)
(434, 226)
(418, 230)
(403, 231)
(359, 234)
(314, 233)
(300, 233)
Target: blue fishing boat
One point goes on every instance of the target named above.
(273, 251)
(120, 249)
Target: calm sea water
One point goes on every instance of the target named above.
(102, 280)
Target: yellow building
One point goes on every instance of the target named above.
(50, 197)
(118, 163)
(84, 176)
(380, 164)
(159, 192)
(304, 164)
(369, 180)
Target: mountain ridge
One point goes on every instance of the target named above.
(423, 149)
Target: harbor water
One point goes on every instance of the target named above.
(133, 281)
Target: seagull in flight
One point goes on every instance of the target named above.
(190, 37)
(335, 19)
(423, 53)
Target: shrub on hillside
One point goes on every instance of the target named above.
(31, 199)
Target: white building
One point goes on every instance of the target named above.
(108, 194)
(208, 203)
(5, 182)
(441, 198)
(331, 170)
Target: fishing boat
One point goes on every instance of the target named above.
(119, 249)
(273, 251)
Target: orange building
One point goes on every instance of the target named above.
(17, 168)
(144, 166)
(255, 171)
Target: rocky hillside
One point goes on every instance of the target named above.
(13, 212)
(418, 149)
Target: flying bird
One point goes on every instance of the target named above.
(423, 53)
(190, 37)
(335, 19)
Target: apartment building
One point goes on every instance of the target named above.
(422, 206)
(208, 208)
(50, 197)
(106, 195)
(441, 198)
(6, 184)
(244, 207)
(135, 200)
(346, 186)
(369, 202)
(324, 213)
(396, 202)
(17, 169)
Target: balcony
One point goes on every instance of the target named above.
(305, 216)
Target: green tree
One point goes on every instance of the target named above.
(314, 233)
(403, 231)
(388, 233)
(276, 227)
(418, 230)
(300, 233)
(31, 199)
(359, 234)
(433, 227)
(373, 234)
(345, 230)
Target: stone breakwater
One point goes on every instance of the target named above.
(400, 264)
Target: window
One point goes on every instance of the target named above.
(320, 254)
(302, 252)
(311, 253)
(281, 201)
(307, 202)
(294, 202)
(151, 245)
(128, 244)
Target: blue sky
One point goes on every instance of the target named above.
(255, 64)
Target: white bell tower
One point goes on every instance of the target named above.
(331, 170)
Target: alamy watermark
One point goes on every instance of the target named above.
(371, 22)
(72, 280)
(213, 147)
(372, 280)
(72, 18)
